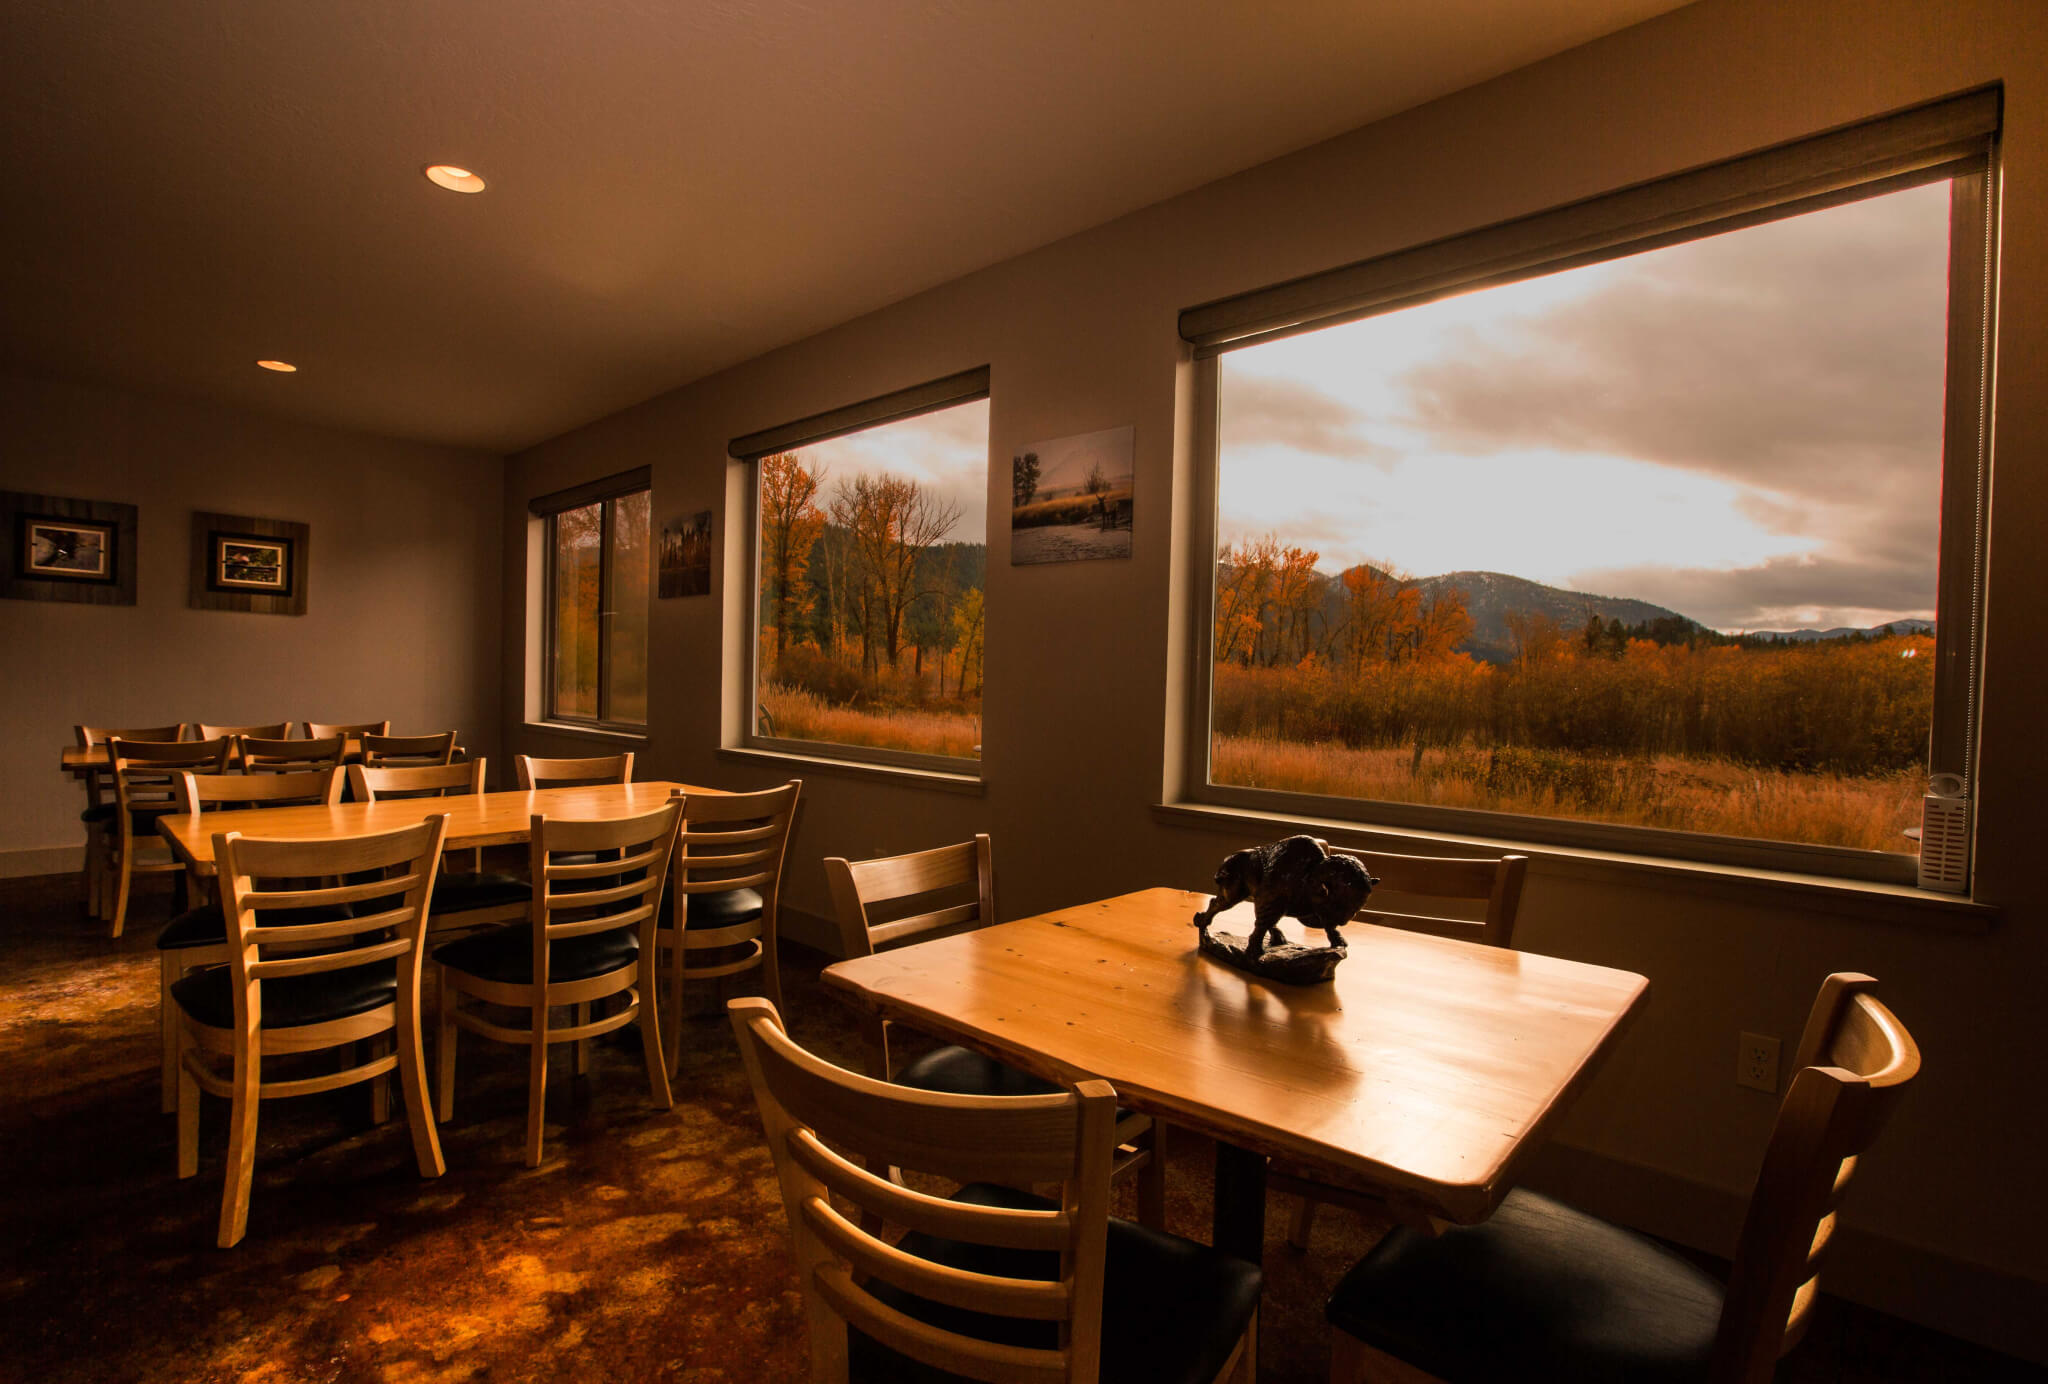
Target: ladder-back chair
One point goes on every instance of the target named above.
(462, 898)
(145, 788)
(727, 878)
(992, 1284)
(535, 772)
(95, 877)
(1470, 899)
(897, 900)
(1565, 1295)
(277, 755)
(199, 936)
(295, 987)
(590, 936)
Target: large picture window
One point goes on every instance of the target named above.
(870, 561)
(598, 565)
(1678, 536)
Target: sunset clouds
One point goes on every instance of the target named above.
(1746, 429)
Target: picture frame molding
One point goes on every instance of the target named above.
(19, 510)
(210, 531)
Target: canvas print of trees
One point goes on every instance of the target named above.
(1070, 498)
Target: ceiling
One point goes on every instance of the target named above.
(674, 186)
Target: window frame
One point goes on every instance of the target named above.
(1943, 141)
(913, 401)
(549, 509)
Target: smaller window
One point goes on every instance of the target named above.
(871, 550)
(597, 569)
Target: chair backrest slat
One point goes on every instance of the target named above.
(880, 902)
(146, 772)
(199, 792)
(392, 751)
(746, 830)
(405, 861)
(277, 755)
(316, 730)
(1854, 1062)
(89, 736)
(1491, 886)
(369, 784)
(535, 772)
(274, 730)
(808, 1106)
(640, 848)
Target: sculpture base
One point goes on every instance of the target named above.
(1290, 963)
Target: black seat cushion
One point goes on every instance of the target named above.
(505, 954)
(1538, 1291)
(1171, 1312)
(98, 812)
(459, 891)
(727, 908)
(207, 926)
(959, 1072)
(207, 995)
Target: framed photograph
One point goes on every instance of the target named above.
(246, 564)
(686, 556)
(59, 549)
(1070, 498)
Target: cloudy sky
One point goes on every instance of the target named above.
(1745, 429)
(947, 451)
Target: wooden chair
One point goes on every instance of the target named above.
(591, 926)
(145, 773)
(535, 772)
(278, 995)
(1490, 890)
(98, 813)
(1564, 1295)
(462, 898)
(898, 900)
(199, 936)
(408, 751)
(993, 1284)
(280, 756)
(315, 730)
(727, 879)
(275, 731)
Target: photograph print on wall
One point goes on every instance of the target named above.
(253, 565)
(54, 548)
(686, 556)
(1070, 498)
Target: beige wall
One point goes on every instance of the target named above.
(1951, 1212)
(402, 594)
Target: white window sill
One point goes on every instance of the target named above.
(630, 739)
(857, 768)
(1866, 900)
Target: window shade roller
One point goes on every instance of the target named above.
(887, 408)
(1918, 145)
(589, 493)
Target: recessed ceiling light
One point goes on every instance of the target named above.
(281, 366)
(454, 179)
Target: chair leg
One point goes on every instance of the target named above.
(241, 1169)
(537, 1082)
(188, 1113)
(167, 1024)
(1247, 1371)
(412, 1084)
(1152, 1181)
(582, 1067)
(675, 1004)
(772, 975)
(444, 1046)
(127, 875)
(380, 1086)
(1303, 1223)
(657, 1063)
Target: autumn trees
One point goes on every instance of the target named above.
(1274, 609)
(857, 575)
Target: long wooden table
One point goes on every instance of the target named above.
(474, 819)
(1429, 1067)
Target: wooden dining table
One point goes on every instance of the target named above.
(1429, 1068)
(474, 819)
(81, 760)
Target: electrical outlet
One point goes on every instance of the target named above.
(1756, 1062)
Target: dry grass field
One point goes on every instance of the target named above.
(800, 715)
(1681, 794)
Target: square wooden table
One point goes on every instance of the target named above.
(1429, 1067)
(474, 819)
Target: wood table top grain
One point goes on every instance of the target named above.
(1428, 1067)
(474, 819)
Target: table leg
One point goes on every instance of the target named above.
(1239, 1224)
